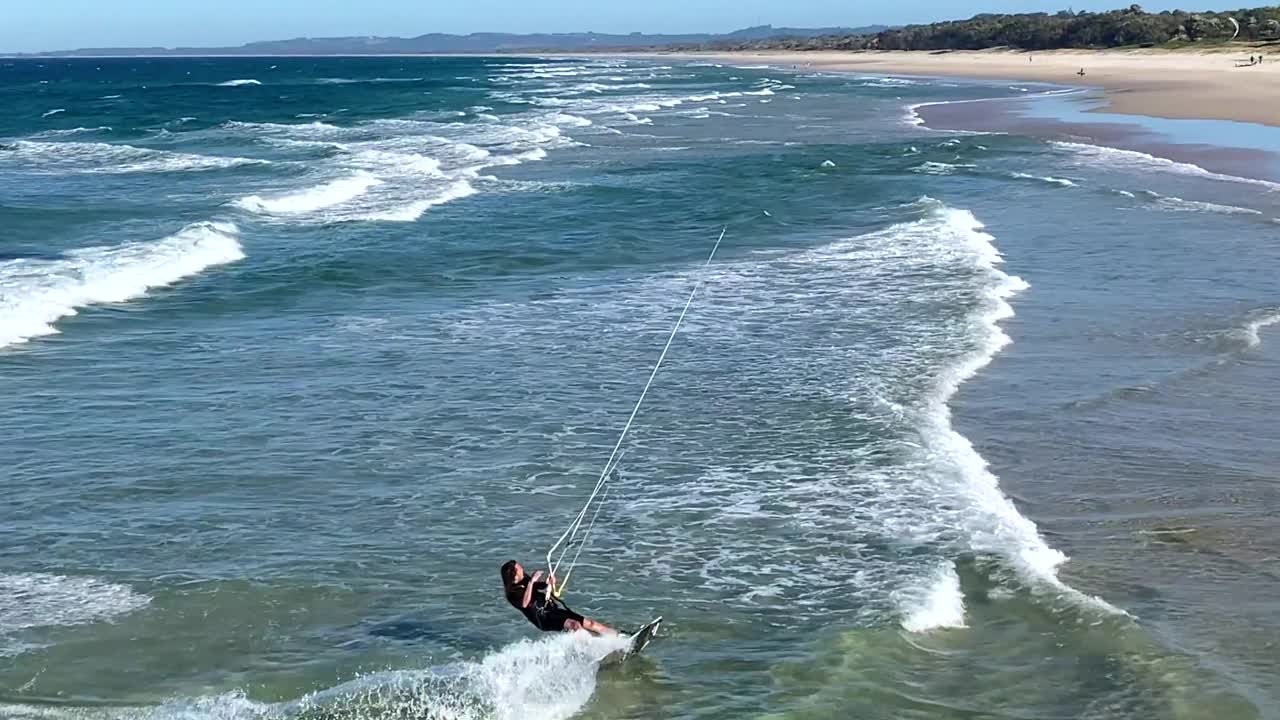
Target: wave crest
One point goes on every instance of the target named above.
(34, 294)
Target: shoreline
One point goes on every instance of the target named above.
(1181, 85)
(1225, 156)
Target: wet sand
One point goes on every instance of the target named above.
(1181, 84)
(1030, 116)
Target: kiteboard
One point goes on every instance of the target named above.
(638, 642)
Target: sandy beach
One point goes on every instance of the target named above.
(1184, 84)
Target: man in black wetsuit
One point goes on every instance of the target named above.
(535, 600)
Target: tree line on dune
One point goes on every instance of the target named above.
(1131, 26)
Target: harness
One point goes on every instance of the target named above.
(549, 604)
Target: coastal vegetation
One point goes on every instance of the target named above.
(1131, 26)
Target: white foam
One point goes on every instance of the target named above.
(992, 523)
(54, 112)
(1044, 178)
(390, 162)
(311, 130)
(940, 168)
(405, 166)
(1111, 157)
(34, 294)
(889, 82)
(584, 88)
(938, 605)
(239, 83)
(413, 210)
(33, 600)
(334, 192)
(1177, 204)
(1250, 330)
(552, 678)
(73, 131)
(912, 114)
(568, 120)
(110, 158)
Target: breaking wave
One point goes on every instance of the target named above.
(34, 294)
(109, 158)
(334, 192)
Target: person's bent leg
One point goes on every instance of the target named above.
(598, 628)
(578, 622)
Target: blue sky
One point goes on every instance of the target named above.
(31, 25)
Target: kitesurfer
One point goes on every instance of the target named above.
(537, 601)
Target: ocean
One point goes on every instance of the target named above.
(295, 352)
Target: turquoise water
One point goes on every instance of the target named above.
(294, 353)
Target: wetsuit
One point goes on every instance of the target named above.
(549, 615)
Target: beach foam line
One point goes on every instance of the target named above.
(1111, 157)
(33, 600)
(912, 116)
(34, 294)
(992, 524)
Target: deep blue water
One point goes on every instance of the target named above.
(294, 353)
